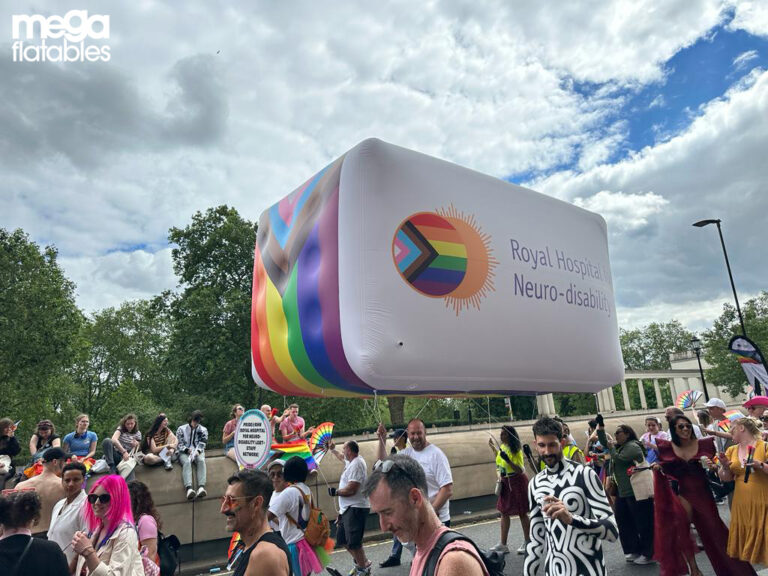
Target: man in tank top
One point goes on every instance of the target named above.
(245, 505)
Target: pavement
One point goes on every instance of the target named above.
(483, 528)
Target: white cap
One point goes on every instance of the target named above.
(715, 403)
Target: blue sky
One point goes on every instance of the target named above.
(651, 114)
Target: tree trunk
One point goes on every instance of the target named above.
(397, 410)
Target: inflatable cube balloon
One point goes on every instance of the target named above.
(392, 272)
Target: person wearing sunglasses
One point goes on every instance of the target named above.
(398, 493)
(685, 460)
(245, 505)
(111, 546)
(275, 472)
(757, 407)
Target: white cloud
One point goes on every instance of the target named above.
(750, 16)
(624, 212)
(714, 169)
(111, 279)
(744, 58)
(238, 104)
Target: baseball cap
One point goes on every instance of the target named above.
(756, 401)
(55, 454)
(715, 403)
(278, 462)
(397, 432)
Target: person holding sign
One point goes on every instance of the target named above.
(228, 435)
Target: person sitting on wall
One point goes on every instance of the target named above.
(193, 437)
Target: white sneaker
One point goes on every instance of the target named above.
(201, 493)
(644, 560)
(503, 548)
(190, 494)
(521, 550)
(631, 557)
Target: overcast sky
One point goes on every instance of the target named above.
(653, 114)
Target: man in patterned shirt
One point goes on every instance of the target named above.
(567, 533)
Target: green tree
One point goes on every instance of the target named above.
(39, 326)
(210, 341)
(649, 347)
(119, 347)
(726, 370)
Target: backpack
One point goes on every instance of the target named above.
(494, 561)
(168, 552)
(316, 529)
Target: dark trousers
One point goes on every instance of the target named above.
(635, 520)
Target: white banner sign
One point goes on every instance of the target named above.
(253, 439)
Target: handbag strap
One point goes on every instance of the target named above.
(15, 570)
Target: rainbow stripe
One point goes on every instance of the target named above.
(430, 254)
(295, 325)
(290, 449)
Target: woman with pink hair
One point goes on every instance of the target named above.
(111, 545)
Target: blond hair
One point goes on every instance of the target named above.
(750, 425)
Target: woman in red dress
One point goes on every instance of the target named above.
(682, 461)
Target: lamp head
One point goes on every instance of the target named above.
(696, 344)
(702, 223)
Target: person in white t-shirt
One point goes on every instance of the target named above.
(291, 510)
(275, 472)
(353, 505)
(66, 517)
(435, 464)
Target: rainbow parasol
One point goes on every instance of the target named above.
(290, 449)
(320, 440)
(688, 399)
(730, 416)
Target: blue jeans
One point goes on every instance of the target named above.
(186, 469)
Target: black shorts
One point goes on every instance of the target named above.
(349, 532)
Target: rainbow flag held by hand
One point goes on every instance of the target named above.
(290, 449)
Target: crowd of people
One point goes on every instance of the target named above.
(655, 492)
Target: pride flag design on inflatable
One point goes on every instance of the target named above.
(295, 328)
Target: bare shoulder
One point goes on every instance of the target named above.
(267, 560)
(459, 563)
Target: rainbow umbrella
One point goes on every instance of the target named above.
(688, 399)
(321, 440)
(288, 450)
(730, 416)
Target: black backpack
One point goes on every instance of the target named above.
(168, 551)
(494, 561)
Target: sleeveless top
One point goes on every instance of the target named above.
(272, 538)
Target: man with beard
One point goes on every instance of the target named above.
(566, 534)
(397, 490)
(245, 505)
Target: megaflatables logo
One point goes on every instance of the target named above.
(36, 37)
(445, 254)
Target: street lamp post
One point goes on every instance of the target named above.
(701, 224)
(696, 345)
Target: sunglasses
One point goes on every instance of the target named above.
(684, 426)
(103, 498)
(229, 500)
(386, 466)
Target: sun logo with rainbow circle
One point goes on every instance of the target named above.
(445, 254)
